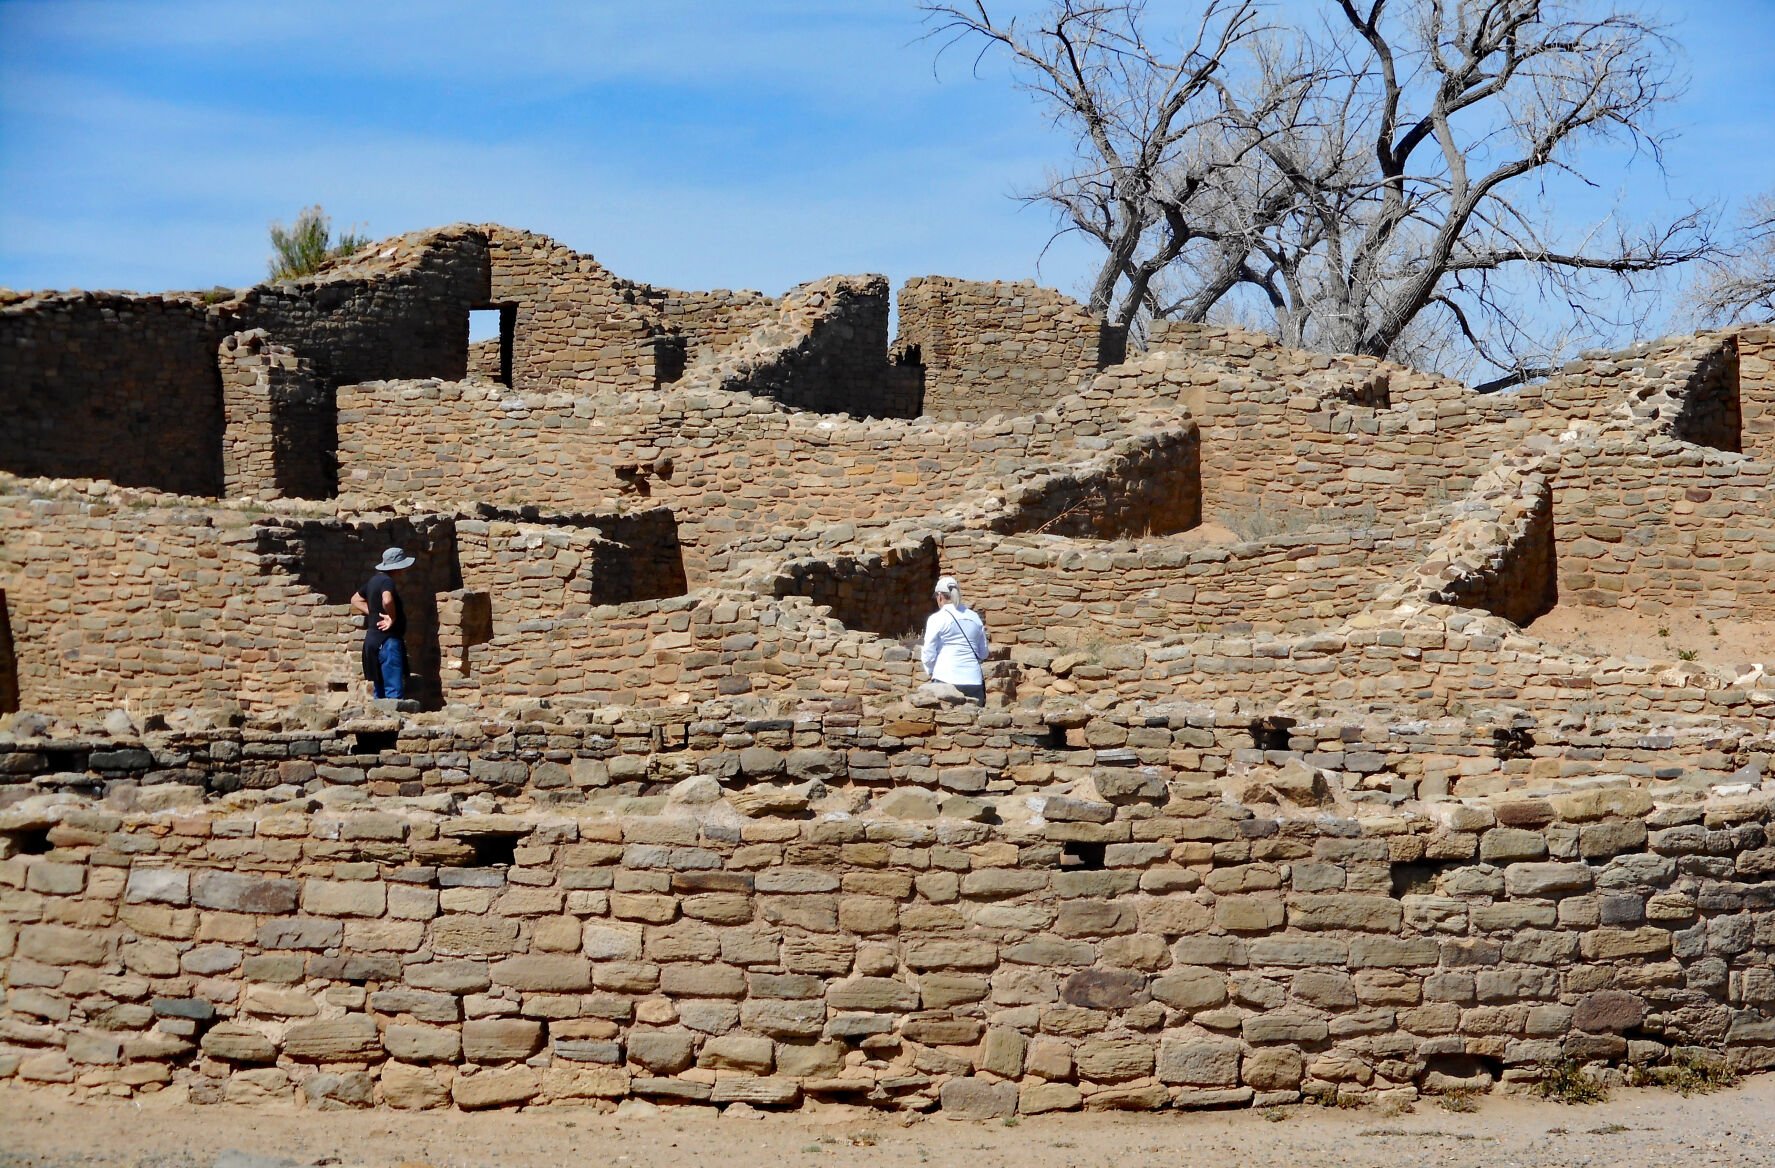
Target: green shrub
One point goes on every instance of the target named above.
(302, 248)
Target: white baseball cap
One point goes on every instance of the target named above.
(948, 584)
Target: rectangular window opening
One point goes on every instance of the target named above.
(493, 851)
(490, 331)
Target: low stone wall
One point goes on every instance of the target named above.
(1203, 954)
(992, 347)
(1062, 593)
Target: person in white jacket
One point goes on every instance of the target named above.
(955, 642)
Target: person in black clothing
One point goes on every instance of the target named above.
(385, 626)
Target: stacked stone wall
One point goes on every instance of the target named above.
(823, 349)
(1060, 593)
(712, 321)
(1756, 389)
(113, 386)
(1202, 955)
(279, 439)
(157, 606)
(1665, 527)
(1000, 348)
(727, 465)
(396, 309)
(577, 327)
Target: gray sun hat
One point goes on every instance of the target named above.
(394, 559)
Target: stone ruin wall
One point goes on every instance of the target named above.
(105, 385)
(576, 327)
(280, 433)
(993, 347)
(1119, 902)
(724, 464)
(1666, 528)
(154, 603)
(1148, 946)
(1756, 376)
(127, 388)
(1043, 591)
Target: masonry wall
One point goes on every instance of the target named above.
(1665, 532)
(824, 349)
(578, 328)
(280, 420)
(1756, 381)
(398, 308)
(703, 645)
(107, 385)
(712, 321)
(997, 347)
(727, 465)
(1217, 957)
(1046, 590)
(156, 607)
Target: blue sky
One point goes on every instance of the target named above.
(690, 143)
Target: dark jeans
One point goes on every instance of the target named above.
(975, 693)
(391, 660)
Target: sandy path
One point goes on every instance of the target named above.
(1653, 1129)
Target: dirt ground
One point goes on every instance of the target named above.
(1622, 632)
(1633, 1129)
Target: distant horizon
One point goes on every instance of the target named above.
(693, 145)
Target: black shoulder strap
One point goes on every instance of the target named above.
(965, 639)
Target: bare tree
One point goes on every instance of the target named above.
(1140, 113)
(1379, 184)
(1738, 284)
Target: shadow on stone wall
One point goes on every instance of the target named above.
(336, 558)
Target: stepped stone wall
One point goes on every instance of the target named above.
(992, 347)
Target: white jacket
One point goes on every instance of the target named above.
(954, 645)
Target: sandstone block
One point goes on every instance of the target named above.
(344, 898)
(765, 1090)
(422, 1044)
(1001, 1052)
(1546, 879)
(1273, 1068)
(664, 1052)
(1038, 1098)
(1200, 1063)
(61, 945)
(1378, 914)
(976, 1099)
(738, 1052)
(545, 973)
(498, 1040)
(411, 1088)
(158, 885)
(1105, 989)
(352, 1038)
(248, 894)
(505, 1088)
(1111, 1060)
